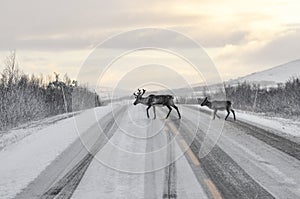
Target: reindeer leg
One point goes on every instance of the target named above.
(170, 109)
(177, 111)
(148, 110)
(215, 113)
(228, 112)
(233, 114)
(154, 112)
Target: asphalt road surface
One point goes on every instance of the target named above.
(195, 157)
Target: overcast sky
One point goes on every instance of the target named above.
(240, 36)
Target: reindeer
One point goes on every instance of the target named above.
(218, 105)
(152, 100)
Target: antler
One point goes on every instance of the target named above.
(139, 93)
(143, 92)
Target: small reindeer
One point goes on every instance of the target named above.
(152, 100)
(218, 105)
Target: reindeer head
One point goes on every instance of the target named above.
(138, 96)
(204, 102)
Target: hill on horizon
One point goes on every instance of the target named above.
(272, 76)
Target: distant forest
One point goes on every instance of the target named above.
(281, 100)
(25, 97)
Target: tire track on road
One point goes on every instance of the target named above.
(150, 177)
(170, 170)
(276, 141)
(229, 178)
(287, 146)
(66, 185)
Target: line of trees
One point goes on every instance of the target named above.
(25, 98)
(282, 100)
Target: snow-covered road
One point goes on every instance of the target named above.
(136, 157)
(141, 164)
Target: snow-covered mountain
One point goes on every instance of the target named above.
(267, 78)
(272, 76)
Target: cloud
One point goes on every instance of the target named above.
(37, 25)
(257, 55)
(62, 25)
(244, 35)
(163, 76)
(281, 49)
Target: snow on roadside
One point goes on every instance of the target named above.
(24, 160)
(284, 127)
(16, 134)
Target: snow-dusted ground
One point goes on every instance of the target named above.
(16, 134)
(34, 149)
(288, 128)
(285, 127)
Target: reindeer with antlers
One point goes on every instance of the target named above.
(152, 100)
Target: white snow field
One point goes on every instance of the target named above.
(22, 161)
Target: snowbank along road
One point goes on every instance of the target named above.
(136, 157)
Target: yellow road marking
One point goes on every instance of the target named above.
(190, 153)
(213, 189)
(184, 144)
(173, 128)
